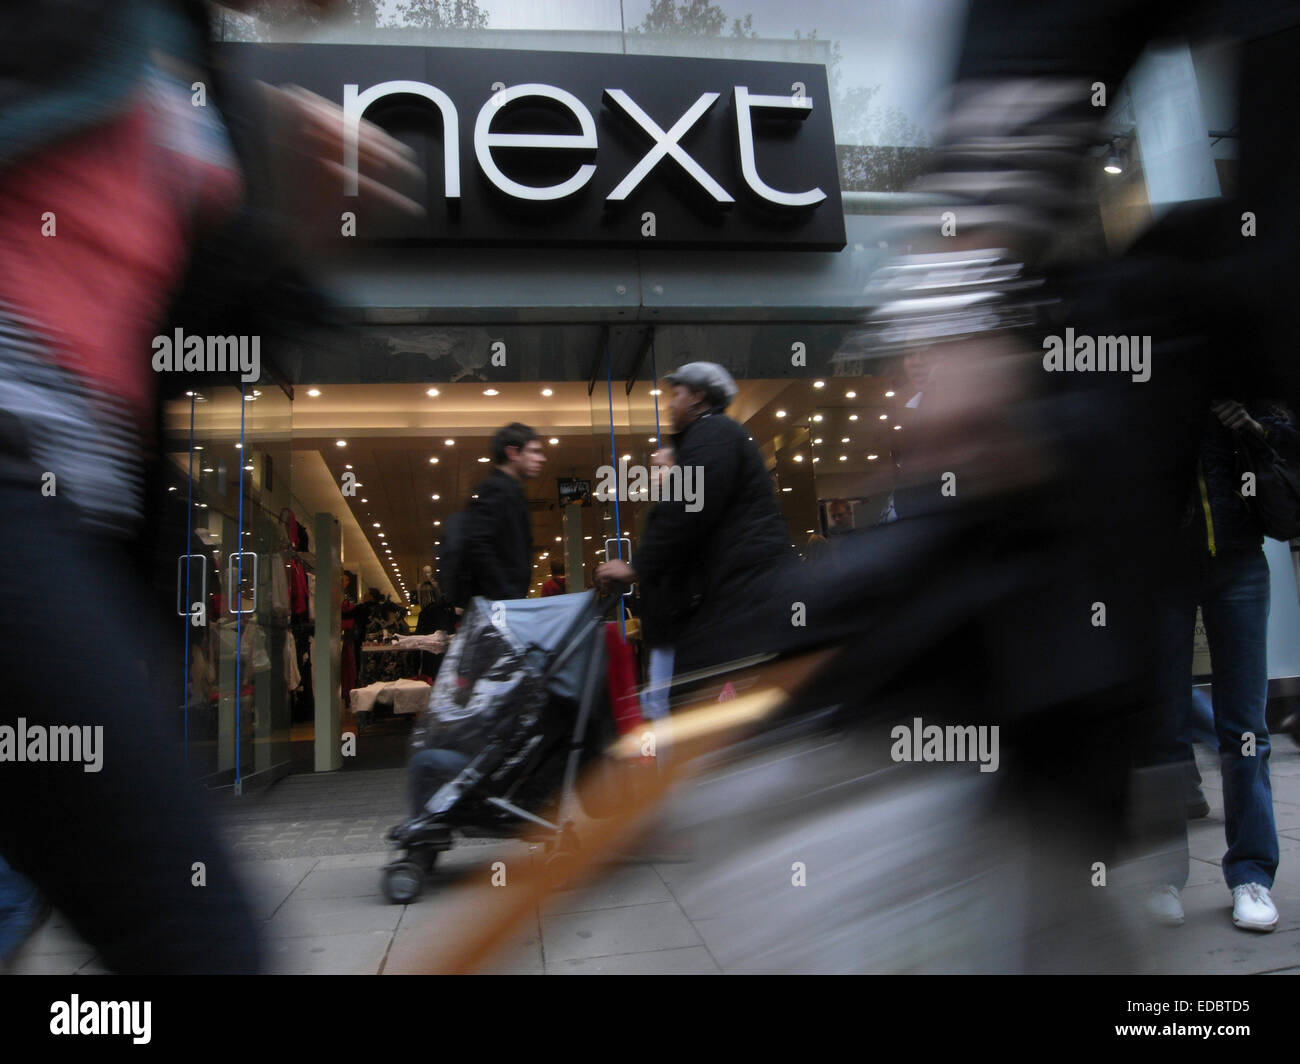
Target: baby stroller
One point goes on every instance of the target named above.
(519, 708)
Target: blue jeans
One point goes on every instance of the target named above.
(429, 770)
(20, 907)
(1232, 590)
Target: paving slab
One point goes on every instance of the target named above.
(628, 929)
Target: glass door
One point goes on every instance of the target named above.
(230, 452)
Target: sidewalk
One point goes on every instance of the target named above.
(312, 849)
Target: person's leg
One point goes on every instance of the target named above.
(429, 770)
(1235, 608)
(20, 910)
(125, 851)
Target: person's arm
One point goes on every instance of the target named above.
(676, 531)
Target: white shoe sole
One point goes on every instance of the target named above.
(1247, 925)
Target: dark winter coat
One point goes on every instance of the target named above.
(499, 539)
(725, 555)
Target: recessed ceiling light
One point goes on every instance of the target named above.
(314, 392)
(435, 497)
(348, 466)
(889, 394)
(816, 460)
(433, 460)
(249, 468)
(365, 500)
(844, 458)
(654, 440)
(449, 442)
(850, 395)
(627, 458)
(898, 426)
(437, 523)
(872, 457)
(432, 393)
(547, 392)
(586, 537)
(656, 391)
(483, 459)
(340, 443)
(199, 446)
(817, 440)
(844, 439)
(819, 384)
(376, 525)
(817, 417)
(557, 539)
(554, 440)
(798, 458)
(780, 413)
(173, 488)
(249, 398)
(490, 391)
(238, 447)
(208, 469)
(853, 417)
(884, 417)
(787, 489)
(383, 535)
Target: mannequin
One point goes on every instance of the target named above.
(427, 593)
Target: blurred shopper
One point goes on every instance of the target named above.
(110, 178)
(555, 585)
(22, 911)
(1224, 571)
(725, 550)
(498, 533)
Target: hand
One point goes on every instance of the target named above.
(440, 642)
(1234, 416)
(615, 572)
(307, 153)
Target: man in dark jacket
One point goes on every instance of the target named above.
(499, 540)
(730, 542)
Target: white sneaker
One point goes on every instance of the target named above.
(1252, 908)
(1166, 906)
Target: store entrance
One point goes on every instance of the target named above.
(389, 433)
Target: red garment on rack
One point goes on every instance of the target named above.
(297, 587)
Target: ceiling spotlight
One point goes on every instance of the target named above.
(383, 535)
(340, 443)
(238, 447)
(850, 395)
(884, 417)
(348, 466)
(819, 384)
(314, 392)
(889, 394)
(365, 500)
(547, 392)
(780, 413)
(173, 488)
(896, 427)
(817, 417)
(435, 497)
(627, 458)
(554, 440)
(376, 525)
(817, 440)
(798, 458)
(433, 460)
(437, 523)
(449, 442)
(853, 417)
(872, 457)
(844, 439)
(249, 468)
(787, 489)
(432, 393)
(483, 459)
(844, 458)
(250, 397)
(656, 391)
(557, 539)
(490, 391)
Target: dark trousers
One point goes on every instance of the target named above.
(115, 850)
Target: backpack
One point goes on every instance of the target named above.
(453, 561)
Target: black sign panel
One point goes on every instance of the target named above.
(569, 148)
(574, 491)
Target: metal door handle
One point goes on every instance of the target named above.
(231, 596)
(183, 608)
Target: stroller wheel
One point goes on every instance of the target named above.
(559, 869)
(403, 881)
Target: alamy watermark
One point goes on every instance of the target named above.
(1098, 354)
(60, 742)
(955, 742)
(638, 483)
(179, 353)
